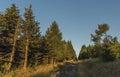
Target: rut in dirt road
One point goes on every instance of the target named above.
(69, 70)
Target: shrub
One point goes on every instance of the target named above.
(108, 56)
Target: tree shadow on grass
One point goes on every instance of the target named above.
(62, 70)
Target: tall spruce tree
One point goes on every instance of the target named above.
(84, 54)
(44, 48)
(70, 51)
(1, 42)
(30, 36)
(54, 40)
(10, 24)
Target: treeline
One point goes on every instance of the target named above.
(22, 45)
(105, 46)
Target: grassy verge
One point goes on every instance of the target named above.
(47, 74)
(40, 71)
(97, 68)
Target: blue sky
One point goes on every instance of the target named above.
(77, 19)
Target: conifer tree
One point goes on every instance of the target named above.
(84, 54)
(98, 37)
(70, 51)
(54, 40)
(30, 36)
(10, 25)
(44, 48)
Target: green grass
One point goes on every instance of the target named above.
(97, 68)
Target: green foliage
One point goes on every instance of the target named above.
(105, 46)
(84, 55)
(30, 38)
(113, 52)
(59, 50)
(53, 37)
(91, 51)
(8, 24)
(21, 43)
(27, 47)
(102, 29)
(99, 38)
(70, 51)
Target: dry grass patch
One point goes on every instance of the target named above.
(31, 72)
(97, 68)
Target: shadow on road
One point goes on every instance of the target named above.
(66, 70)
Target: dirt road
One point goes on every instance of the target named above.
(68, 70)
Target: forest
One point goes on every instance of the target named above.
(25, 52)
(23, 46)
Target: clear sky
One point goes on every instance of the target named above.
(77, 19)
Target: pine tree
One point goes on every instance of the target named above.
(98, 37)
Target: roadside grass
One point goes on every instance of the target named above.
(40, 71)
(97, 68)
(52, 73)
(47, 74)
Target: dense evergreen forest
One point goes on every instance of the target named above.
(105, 47)
(22, 45)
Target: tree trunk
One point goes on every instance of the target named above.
(26, 54)
(13, 48)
